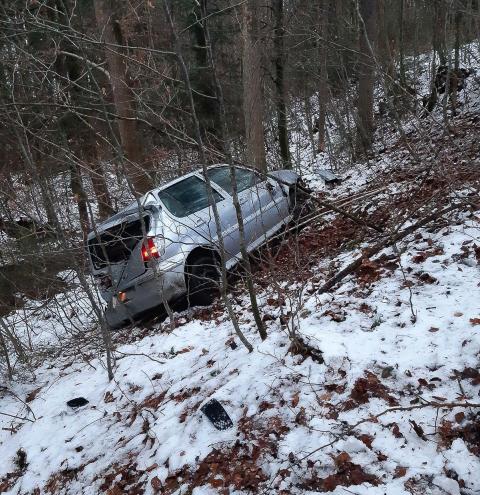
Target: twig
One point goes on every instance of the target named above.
(404, 275)
(125, 354)
(437, 405)
(17, 417)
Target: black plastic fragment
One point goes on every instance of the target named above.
(215, 412)
(77, 402)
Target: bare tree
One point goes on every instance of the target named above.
(252, 80)
(366, 76)
(130, 136)
(280, 86)
(323, 12)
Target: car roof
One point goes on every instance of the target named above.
(133, 208)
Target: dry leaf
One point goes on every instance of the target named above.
(400, 472)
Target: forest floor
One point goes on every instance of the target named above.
(370, 386)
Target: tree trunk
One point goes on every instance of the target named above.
(100, 189)
(186, 79)
(366, 79)
(386, 49)
(131, 139)
(206, 104)
(281, 96)
(439, 20)
(456, 60)
(401, 43)
(76, 185)
(323, 78)
(253, 87)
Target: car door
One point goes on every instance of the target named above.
(259, 199)
(220, 177)
(271, 206)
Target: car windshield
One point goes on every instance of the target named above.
(187, 197)
(245, 178)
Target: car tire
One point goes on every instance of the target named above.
(203, 277)
(299, 201)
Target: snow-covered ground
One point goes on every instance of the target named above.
(296, 421)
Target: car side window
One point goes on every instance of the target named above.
(187, 197)
(245, 178)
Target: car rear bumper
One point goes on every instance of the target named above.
(147, 294)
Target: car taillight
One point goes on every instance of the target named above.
(149, 250)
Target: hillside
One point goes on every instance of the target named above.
(370, 385)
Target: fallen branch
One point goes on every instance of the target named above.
(331, 206)
(369, 252)
(351, 216)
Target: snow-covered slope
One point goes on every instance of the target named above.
(300, 426)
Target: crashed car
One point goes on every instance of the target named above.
(166, 244)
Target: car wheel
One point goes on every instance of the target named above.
(203, 276)
(299, 200)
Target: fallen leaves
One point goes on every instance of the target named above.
(459, 417)
(31, 395)
(264, 405)
(124, 478)
(347, 474)
(400, 472)
(156, 484)
(301, 347)
(366, 440)
(237, 466)
(424, 255)
(426, 278)
(368, 272)
(366, 388)
(467, 429)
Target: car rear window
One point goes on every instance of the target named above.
(245, 178)
(187, 197)
(117, 243)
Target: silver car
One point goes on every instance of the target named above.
(165, 245)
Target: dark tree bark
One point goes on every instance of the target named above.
(253, 86)
(438, 28)
(280, 87)
(366, 79)
(76, 185)
(100, 188)
(386, 49)
(130, 136)
(201, 79)
(401, 52)
(324, 12)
